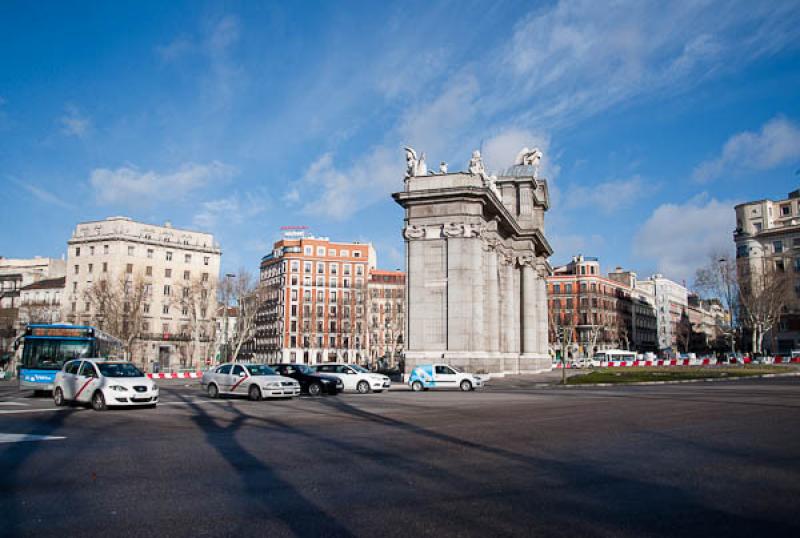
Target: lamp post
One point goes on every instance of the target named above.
(725, 274)
(227, 295)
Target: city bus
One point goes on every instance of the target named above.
(45, 349)
(603, 357)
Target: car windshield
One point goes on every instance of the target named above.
(260, 369)
(358, 368)
(117, 369)
(303, 369)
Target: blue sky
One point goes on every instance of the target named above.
(238, 118)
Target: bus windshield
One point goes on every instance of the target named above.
(51, 354)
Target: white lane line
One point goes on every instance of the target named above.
(192, 402)
(15, 411)
(22, 437)
(15, 403)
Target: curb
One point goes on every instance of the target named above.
(679, 381)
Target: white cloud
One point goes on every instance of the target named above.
(41, 194)
(777, 143)
(609, 196)
(232, 210)
(500, 151)
(679, 237)
(129, 185)
(74, 123)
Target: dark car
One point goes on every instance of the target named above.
(310, 381)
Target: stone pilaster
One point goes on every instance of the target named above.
(492, 301)
(529, 308)
(509, 306)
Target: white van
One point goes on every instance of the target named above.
(613, 357)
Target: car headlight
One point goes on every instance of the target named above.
(273, 385)
(119, 388)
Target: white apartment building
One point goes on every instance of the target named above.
(171, 264)
(768, 235)
(40, 302)
(671, 301)
(18, 273)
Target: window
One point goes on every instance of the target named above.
(185, 292)
(105, 249)
(307, 267)
(334, 268)
(359, 270)
(130, 251)
(149, 252)
(167, 289)
(568, 288)
(778, 246)
(169, 256)
(294, 295)
(146, 308)
(77, 251)
(74, 306)
(357, 254)
(757, 226)
(165, 309)
(168, 273)
(320, 251)
(320, 281)
(294, 280)
(87, 370)
(331, 252)
(320, 268)
(77, 269)
(129, 268)
(205, 277)
(786, 210)
(206, 260)
(185, 311)
(186, 275)
(556, 288)
(187, 258)
(344, 253)
(224, 369)
(74, 287)
(294, 310)
(346, 269)
(148, 271)
(742, 251)
(105, 267)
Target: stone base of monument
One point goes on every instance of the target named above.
(482, 362)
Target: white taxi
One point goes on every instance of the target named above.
(354, 377)
(257, 381)
(103, 383)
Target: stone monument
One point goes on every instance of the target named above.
(476, 262)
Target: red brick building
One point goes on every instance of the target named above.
(316, 301)
(387, 291)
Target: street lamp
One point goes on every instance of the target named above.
(226, 295)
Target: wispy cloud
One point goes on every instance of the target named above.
(777, 143)
(41, 194)
(74, 123)
(235, 209)
(127, 185)
(609, 196)
(679, 237)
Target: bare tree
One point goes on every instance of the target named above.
(197, 308)
(562, 334)
(245, 293)
(717, 279)
(763, 295)
(118, 307)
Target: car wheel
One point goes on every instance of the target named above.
(98, 401)
(314, 389)
(362, 387)
(466, 386)
(213, 391)
(416, 386)
(254, 393)
(58, 397)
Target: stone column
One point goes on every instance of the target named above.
(492, 301)
(543, 318)
(510, 308)
(477, 278)
(529, 322)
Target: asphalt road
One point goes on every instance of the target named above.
(711, 459)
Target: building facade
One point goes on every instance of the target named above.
(315, 301)
(476, 261)
(671, 301)
(40, 302)
(387, 291)
(164, 277)
(767, 238)
(601, 312)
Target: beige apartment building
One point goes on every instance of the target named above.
(315, 301)
(767, 235)
(387, 291)
(175, 270)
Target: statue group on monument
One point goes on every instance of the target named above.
(416, 166)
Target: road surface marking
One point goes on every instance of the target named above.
(15, 403)
(15, 411)
(22, 437)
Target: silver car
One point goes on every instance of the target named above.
(257, 381)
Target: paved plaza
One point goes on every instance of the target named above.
(515, 459)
